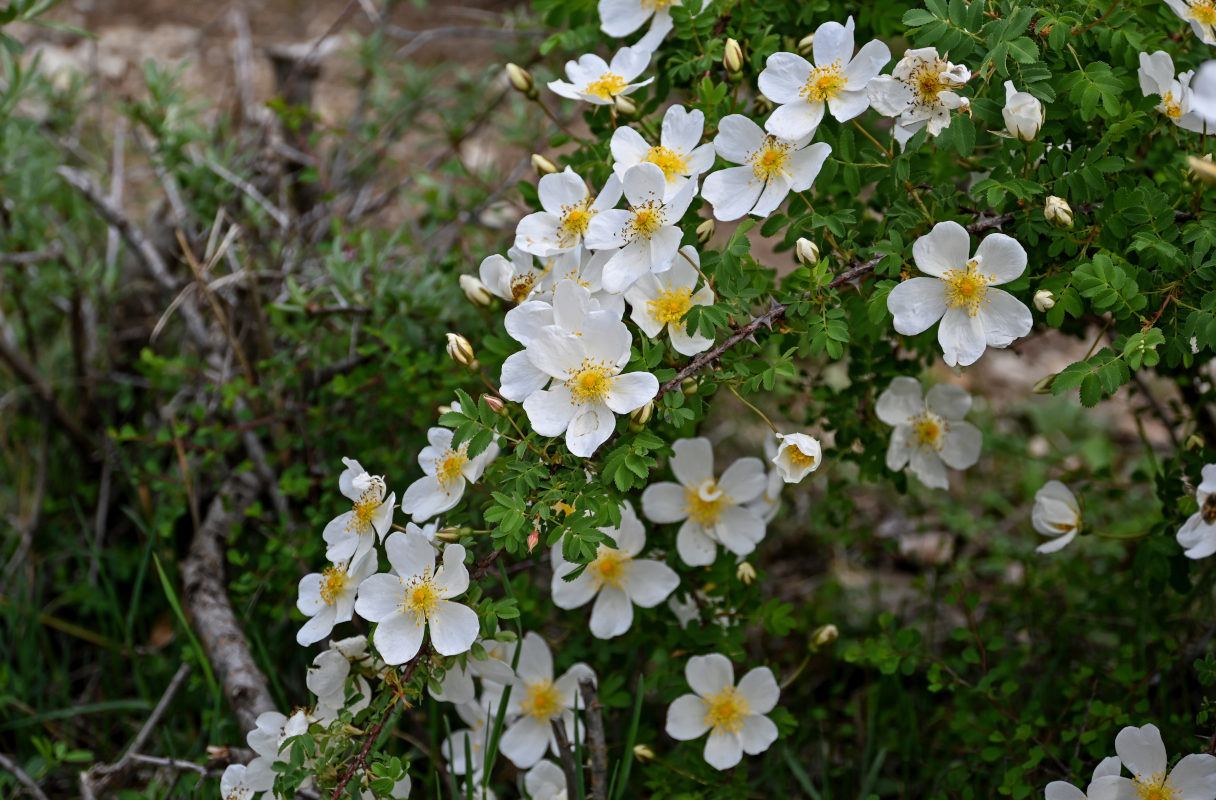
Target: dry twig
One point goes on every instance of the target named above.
(596, 748)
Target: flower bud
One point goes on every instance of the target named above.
(476, 291)
(824, 635)
(495, 403)
(533, 539)
(732, 57)
(762, 105)
(705, 231)
(746, 573)
(806, 44)
(542, 165)
(1058, 212)
(643, 753)
(521, 80)
(1202, 168)
(448, 534)
(460, 351)
(624, 106)
(642, 415)
(688, 386)
(1023, 113)
(1044, 300)
(807, 252)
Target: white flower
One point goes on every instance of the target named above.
(1057, 514)
(1201, 14)
(351, 534)
(1198, 533)
(536, 699)
(1156, 75)
(623, 17)
(1023, 113)
(447, 470)
(513, 277)
(329, 597)
(734, 715)
(546, 781)
(328, 675)
(597, 82)
(797, 455)
(1203, 94)
(928, 435)
(972, 313)
(1102, 783)
(1143, 753)
(662, 301)
(645, 235)
(403, 603)
(773, 167)
(273, 730)
(920, 91)
(242, 782)
(677, 153)
(588, 388)
(615, 578)
(713, 511)
(465, 749)
(568, 210)
(837, 78)
(457, 684)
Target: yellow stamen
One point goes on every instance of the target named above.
(824, 83)
(800, 459)
(726, 710)
(421, 597)
(364, 509)
(1173, 108)
(1204, 11)
(967, 288)
(926, 81)
(606, 85)
(1209, 509)
(927, 431)
(673, 163)
(591, 382)
(647, 220)
(610, 568)
(702, 510)
(449, 465)
(671, 305)
(657, 5)
(1154, 787)
(542, 701)
(771, 159)
(575, 219)
(333, 581)
(521, 286)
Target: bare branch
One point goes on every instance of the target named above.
(567, 755)
(21, 776)
(104, 774)
(598, 750)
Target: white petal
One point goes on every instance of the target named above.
(628, 148)
(916, 304)
(693, 461)
(631, 391)
(898, 451)
(571, 594)
(775, 191)
(709, 674)
(590, 428)
(866, 65)
(757, 734)
(961, 337)
(722, 750)
(961, 445)
(833, 42)
(695, 548)
(665, 502)
(1005, 318)
(948, 400)
(410, 553)
(738, 136)
(1141, 750)
(1059, 790)
(805, 165)
(900, 402)
(1002, 257)
(888, 96)
(622, 17)
(942, 249)
(316, 628)
(525, 742)
(796, 120)
(535, 660)
(1194, 777)
(379, 597)
(732, 192)
(398, 638)
(1057, 544)
(453, 579)
(760, 689)
(783, 77)
(550, 411)
(686, 718)
(650, 582)
(848, 104)
(739, 529)
(612, 614)
(427, 497)
(929, 468)
(682, 128)
(454, 627)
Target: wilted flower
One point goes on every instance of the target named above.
(920, 92)
(929, 434)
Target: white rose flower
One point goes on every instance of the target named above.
(353, 533)
(929, 435)
(447, 470)
(837, 79)
(272, 730)
(597, 82)
(798, 455)
(1198, 533)
(546, 781)
(536, 699)
(403, 603)
(623, 17)
(920, 92)
(712, 511)
(1200, 13)
(615, 578)
(514, 277)
(568, 210)
(1101, 785)
(973, 314)
(327, 679)
(733, 715)
(329, 597)
(1055, 514)
(1023, 113)
(645, 236)
(1156, 75)
(243, 781)
(1143, 753)
(677, 153)
(662, 301)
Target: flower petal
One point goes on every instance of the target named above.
(665, 502)
(722, 750)
(686, 718)
(398, 638)
(1194, 776)
(1002, 257)
(631, 391)
(948, 400)
(942, 249)
(454, 627)
(738, 137)
(961, 337)
(693, 462)
(1005, 318)
(916, 304)
(900, 402)
(379, 596)
(732, 192)
(550, 410)
(744, 480)
(591, 427)
(929, 468)
(410, 553)
(783, 77)
(695, 548)
(709, 674)
(650, 582)
(1141, 750)
(961, 445)
(612, 614)
(760, 689)
(757, 734)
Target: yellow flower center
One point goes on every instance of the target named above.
(449, 465)
(926, 81)
(927, 431)
(606, 85)
(1173, 108)
(1208, 512)
(1154, 787)
(365, 507)
(657, 5)
(542, 701)
(647, 220)
(591, 382)
(521, 286)
(726, 710)
(333, 581)
(771, 159)
(702, 510)
(967, 288)
(672, 162)
(800, 459)
(421, 597)
(1204, 11)
(610, 568)
(824, 83)
(575, 219)
(671, 305)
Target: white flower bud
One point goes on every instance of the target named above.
(746, 573)
(643, 753)
(496, 404)
(1044, 300)
(642, 415)
(476, 291)
(542, 165)
(521, 80)
(1023, 113)
(762, 105)
(807, 252)
(460, 351)
(705, 231)
(1058, 212)
(806, 44)
(825, 635)
(624, 105)
(689, 386)
(732, 57)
